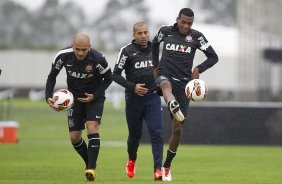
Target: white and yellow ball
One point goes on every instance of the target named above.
(196, 90)
(64, 99)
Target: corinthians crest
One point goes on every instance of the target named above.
(189, 38)
(89, 68)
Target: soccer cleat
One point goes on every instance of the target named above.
(166, 175)
(158, 175)
(90, 174)
(130, 168)
(174, 108)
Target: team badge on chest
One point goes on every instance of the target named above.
(189, 38)
(89, 68)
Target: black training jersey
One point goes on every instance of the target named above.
(91, 75)
(179, 51)
(137, 65)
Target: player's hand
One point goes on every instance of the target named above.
(196, 73)
(140, 90)
(51, 102)
(88, 98)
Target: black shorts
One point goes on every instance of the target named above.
(82, 112)
(178, 90)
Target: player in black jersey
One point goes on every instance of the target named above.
(180, 43)
(142, 101)
(88, 76)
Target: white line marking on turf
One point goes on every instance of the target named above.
(64, 142)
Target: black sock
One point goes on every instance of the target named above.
(93, 150)
(81, 149)
(169, 157)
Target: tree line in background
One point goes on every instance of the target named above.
(42, 29)
(53, 24)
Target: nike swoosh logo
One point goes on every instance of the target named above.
(135, 53)
(95, 146)
(69, 65)
(98, 116)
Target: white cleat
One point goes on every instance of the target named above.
(175, 110)
(166, 175)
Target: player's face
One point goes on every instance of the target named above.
(141, 35)
(81, 49)
(184, 24)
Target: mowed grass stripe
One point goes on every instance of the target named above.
(51, 163)
(45, 155)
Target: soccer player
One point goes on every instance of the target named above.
(142, 100)
(88, 76)
(180, 43)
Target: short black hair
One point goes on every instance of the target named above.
(187, 12)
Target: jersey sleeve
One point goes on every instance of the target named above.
(207, 49)
(105, 71)
(156, 46)
(56, 67)
(119, 67)
(103, 65)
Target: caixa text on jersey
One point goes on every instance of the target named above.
(178, 48)
(80, 75)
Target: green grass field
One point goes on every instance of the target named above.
(45, 155)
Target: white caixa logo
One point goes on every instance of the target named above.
(178, 48)
(80, 75)
(144, 64)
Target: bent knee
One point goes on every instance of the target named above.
(165, 84)
(75, 136)
(92, 127)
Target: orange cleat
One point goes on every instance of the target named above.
(158, 175)
(130, 168)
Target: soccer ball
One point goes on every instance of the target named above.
(63, 99)
(196, 90)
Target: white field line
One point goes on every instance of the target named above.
(64, 142)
